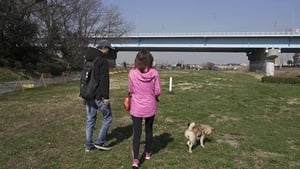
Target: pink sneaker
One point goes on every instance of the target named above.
(148, 156)
(135, 163)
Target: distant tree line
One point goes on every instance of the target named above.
(38, 33)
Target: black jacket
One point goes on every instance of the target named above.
(101, 74)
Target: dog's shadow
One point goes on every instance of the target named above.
(206, 140)
(160, 142)
(120, 134)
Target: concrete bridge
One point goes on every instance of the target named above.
(261, 47)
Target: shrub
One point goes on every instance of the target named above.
(53, 68)
(274, 79)
(4, 62)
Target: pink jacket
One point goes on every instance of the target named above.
(144, 87)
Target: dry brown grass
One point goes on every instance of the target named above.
(288, 72)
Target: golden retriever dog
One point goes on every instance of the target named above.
(196, 132)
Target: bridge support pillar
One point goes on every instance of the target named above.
(256, 60)
(263, 60)
(272, 54)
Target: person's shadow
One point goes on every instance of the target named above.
(120, 134)
(159, 143)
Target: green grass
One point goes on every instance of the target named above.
(256, 125)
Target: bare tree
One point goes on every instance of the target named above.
(94, 19)
(60, 26)
(66, 25)
(296, 59)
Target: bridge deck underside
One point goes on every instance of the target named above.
(206, 44)
(203, 49)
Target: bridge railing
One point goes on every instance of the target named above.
(206, 34)
(289, 33)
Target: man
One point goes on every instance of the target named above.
(101, 100)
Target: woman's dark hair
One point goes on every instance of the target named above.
(143, 60)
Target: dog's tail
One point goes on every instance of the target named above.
(191, 126)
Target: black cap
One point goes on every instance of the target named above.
(105, 44)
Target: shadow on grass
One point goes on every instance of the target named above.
(160, 142)
(206, 140)
(197, 144)
(120, 134)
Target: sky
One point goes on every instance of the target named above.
(196, 16)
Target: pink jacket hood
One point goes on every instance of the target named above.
(145, 77)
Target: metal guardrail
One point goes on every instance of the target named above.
(214, 34)
(199, 34)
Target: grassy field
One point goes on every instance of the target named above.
(256, 125)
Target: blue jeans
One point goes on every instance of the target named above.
(91, 114)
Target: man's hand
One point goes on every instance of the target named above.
(106, 101)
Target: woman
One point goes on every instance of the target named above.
(144, 87)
